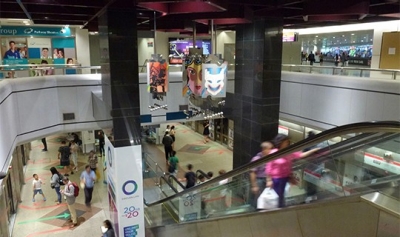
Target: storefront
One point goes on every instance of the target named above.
(25, 45)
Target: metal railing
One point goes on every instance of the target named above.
(153, 166)
(336, 70)
(33, 70)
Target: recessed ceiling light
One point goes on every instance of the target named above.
(352, 33)
(334, 37)
(316, 36)
(24, 22)
(46, 17)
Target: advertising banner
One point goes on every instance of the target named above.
(34, 31)
(190, 207)
(179, 48)
(214, 80)
(381, 163)
(125, 189)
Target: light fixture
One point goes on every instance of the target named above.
(316, 36)
(25, 22)
(352, 33)
(334, 37)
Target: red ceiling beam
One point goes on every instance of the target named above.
(181, 7)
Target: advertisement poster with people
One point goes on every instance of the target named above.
(214, 80)
(157, 78)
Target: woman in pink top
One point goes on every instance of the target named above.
(278, 171)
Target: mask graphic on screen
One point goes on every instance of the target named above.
(214, 83)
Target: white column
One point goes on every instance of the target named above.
(82, 48)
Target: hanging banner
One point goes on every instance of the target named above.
(157, 77)
(214, 80)
(192, 76)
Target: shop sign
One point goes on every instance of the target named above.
(34, 31)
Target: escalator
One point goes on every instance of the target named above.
(349, 187)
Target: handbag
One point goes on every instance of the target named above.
(268, 199)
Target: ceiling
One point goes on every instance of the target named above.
(225, 13)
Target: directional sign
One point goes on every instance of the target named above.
(65, 216)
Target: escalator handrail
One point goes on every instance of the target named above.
(202, 172)
(177, 181)
(384, 126)
(169, 184)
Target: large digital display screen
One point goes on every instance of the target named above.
(289, 37)
(179, 47)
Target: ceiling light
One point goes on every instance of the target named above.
(334, 37)
(352, 33)
(316, 36)
(25, 22)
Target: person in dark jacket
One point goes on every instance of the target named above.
(107, 229)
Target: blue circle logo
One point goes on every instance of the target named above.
(110, 158)
(127, 187)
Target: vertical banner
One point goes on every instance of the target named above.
(214, 80)
(157, 78)
(128, 162)
(63, 50)
(111, 181)
(125, 188)
(192, 76)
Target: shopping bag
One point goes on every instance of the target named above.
(268, 199)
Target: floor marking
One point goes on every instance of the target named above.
(65, 216)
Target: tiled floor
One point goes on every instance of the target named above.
(45, 218)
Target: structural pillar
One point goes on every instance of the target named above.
(254, 106)
(120, 78)
(120, 94)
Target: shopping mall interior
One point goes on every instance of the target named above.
(203, 118)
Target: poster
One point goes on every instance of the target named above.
(13, 52)
(192, 76)
(214, 80)
(157, 78)
(179, 48)
(63, 51)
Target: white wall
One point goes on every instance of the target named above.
(144, 52)
(31, 108)
(224, 37)
(82, 48)
(327, 101)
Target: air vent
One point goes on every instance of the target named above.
(68, 116)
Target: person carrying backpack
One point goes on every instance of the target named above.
(71, 191)
(173, 164)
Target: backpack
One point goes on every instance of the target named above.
(76, 189)
(172, 167)
(60, 179)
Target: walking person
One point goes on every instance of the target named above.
(101, 143)
(206, 131)
(55, 183)
(44, 144)
(69, 192)
(63, 155)
(172, 134)
(37, 187)
(311, 58)
(257, 175)
(74, 155)
(87, 179)
(173, 164)
(190, 177)
(93, 160)
(168, 142)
